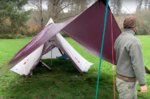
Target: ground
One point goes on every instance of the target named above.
(63, 81)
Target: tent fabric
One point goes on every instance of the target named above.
(25, 66)
(44, 36)
(85, 28)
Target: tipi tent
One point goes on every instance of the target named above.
(85, 28)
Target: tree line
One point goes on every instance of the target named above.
(116, 5)
(14, 17)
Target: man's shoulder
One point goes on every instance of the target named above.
(128, 39)
(129, 36)
(135, 41)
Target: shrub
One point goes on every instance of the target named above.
(10, 36)
(142, 24)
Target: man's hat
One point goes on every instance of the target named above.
(129, 22)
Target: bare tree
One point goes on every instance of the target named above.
(116, 6)
(59, 10)
(139, 7)
(147, 4)
(38, 14)
(56, 8)
(41, 12)
(80, 5)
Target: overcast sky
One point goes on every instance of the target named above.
(128, 6)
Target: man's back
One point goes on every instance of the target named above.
(129, 56)
(129, 59)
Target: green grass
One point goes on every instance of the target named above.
(63, 81)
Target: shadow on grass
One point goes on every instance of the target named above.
(62, 82)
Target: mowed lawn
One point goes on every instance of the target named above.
(63, 81)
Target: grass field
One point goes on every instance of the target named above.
(63, 81)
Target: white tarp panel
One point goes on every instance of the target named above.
(81, 63)
(53, 54)
(27, 64)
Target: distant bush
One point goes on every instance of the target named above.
(22, 34)
(143, 24)
(31, 33)
(33, 27)
(11, 36)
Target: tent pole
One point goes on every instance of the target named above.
(44, 64)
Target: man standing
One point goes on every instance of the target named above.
(129, 58)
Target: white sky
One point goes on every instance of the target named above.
(31, 6)
(129, 6)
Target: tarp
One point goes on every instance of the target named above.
(81, 63)
(85, 28)
(44, 36)
(88, 27)
(25, 66)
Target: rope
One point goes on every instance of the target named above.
(113, 59)
(101, 49)
(51, 57)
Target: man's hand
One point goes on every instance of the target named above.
(143, 89)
